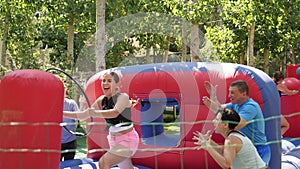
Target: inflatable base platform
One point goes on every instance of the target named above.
(86, 163)
(290, 158)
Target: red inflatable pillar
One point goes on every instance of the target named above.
(291, 71)
(290, 105)
(31, 104)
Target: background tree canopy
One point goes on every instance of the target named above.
(43, 34)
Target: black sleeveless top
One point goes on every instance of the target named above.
(278, 90)
(123, 117)
(280, 94)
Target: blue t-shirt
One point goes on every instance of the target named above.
(69, 105)
(255, 129)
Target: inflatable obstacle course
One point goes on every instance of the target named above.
(156, 84)
(40, 96)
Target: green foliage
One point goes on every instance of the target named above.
(226, 44)
(38, 30)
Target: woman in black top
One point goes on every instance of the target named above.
(278, 77)
(115, 108)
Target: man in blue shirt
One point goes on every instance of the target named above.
(69, 140)
(252, 121)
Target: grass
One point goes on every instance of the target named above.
(81, 150)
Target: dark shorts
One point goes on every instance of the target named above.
(71, 146)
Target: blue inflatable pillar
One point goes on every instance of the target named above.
(152, 117)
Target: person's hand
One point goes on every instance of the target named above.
(92, 112)
(82, 115)
(134, 102)
(211, 104)
(207, 101)
(210, 88)
(295, 91)
(202, 140)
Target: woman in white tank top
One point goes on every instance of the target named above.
(238, 151)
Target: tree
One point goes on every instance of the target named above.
(100, 35)
(250, 47)
(5, 35)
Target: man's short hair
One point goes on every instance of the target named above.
(241, 85)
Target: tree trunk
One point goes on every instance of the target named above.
(100, 35)
(242, 54)
(5, 35)
(195, 42)
(250, 59)
(71, 41)
(148, 55)
(293, 55)
(167, 51)
(242, 57)
(282, 63)
(184, 42)
(266, 59)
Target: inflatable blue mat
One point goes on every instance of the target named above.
(86, 163)
(291, 160)
(295, 141)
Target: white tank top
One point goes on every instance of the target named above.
(247, 157)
